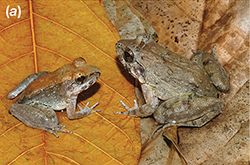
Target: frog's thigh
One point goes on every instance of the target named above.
(34, 117)
(20, 87)
(188, 112)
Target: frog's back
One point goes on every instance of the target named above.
(49, 85)
(176, 76)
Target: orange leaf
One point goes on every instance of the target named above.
(48, 35)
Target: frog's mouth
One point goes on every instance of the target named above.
(137, 69)
(93, 77)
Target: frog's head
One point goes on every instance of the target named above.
(83, 76)
(131, 56)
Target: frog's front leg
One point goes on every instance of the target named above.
(185, 111)
(37, 117)
(20, 87)
(214, 69)
(145, 110)
(71, 109)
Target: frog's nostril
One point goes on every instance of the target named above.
(95, 74)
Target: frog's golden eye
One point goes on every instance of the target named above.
(128, 55)
(80, 79)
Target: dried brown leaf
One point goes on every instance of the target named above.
(225, 24)
(127, 20)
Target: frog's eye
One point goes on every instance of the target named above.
(80, 79)
(128, 55)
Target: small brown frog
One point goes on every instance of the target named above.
(42, 93)
(177, 91)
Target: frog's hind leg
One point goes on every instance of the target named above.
(37, 117)
(184, 111)
(201, 121)
(213, 67)
(21, 87)
(197, 123)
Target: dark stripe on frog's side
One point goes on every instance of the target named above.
(54, 96)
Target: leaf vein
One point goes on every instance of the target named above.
(33, 36)
(97, 148)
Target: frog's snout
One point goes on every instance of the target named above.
(95, 74)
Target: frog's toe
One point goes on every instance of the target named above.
(127, 108)
(85, 108)
(135, 104)
(61, 126)
(64, 130)
(96, 111)
(88, 110)
(53, 131)
(58, 128)
(94, 107)
(124, 105)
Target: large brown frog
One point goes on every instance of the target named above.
(42, 93)
(177, 91)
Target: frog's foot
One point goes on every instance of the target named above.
(87, 110)
(129, 110)
(59, 128)
(37, 116)
(72, 114)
